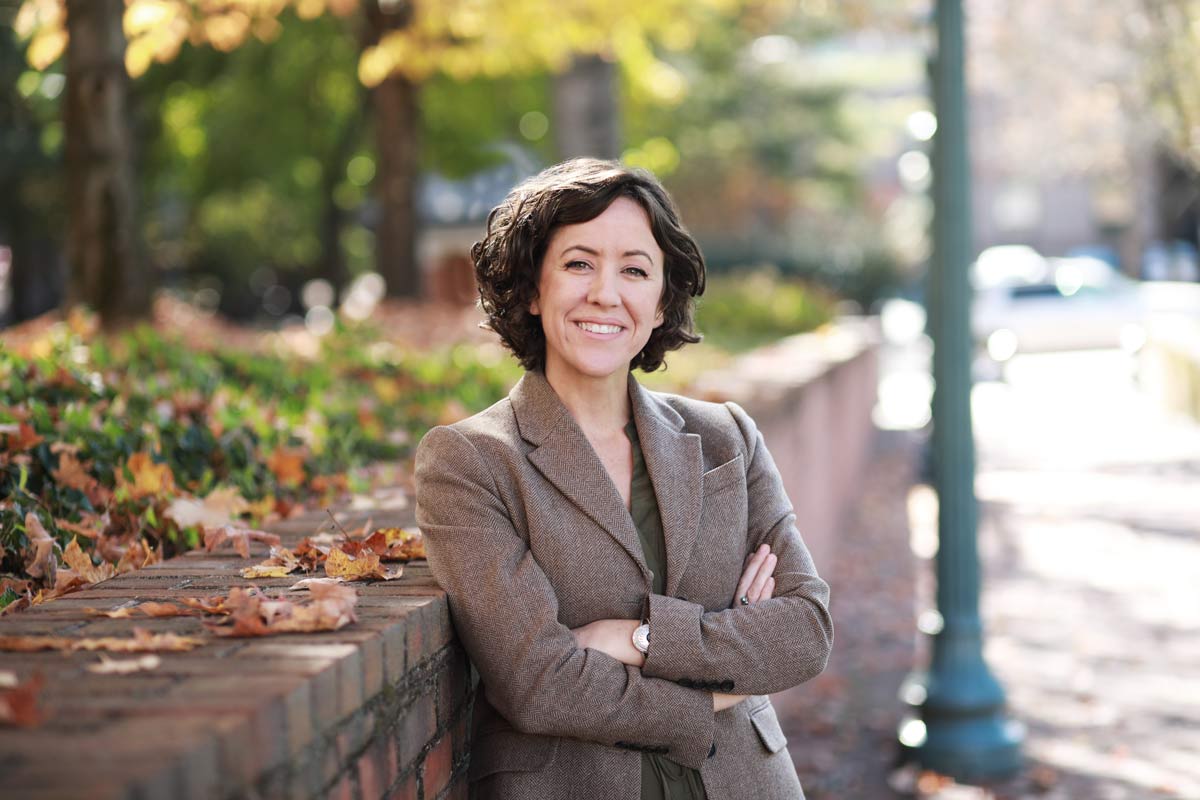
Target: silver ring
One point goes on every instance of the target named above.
(744, 600)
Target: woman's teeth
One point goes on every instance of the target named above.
(593, 328)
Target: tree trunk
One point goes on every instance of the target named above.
(587, 120)
(107, 272)
(395, 103)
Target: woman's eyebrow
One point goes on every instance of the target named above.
(592, 252)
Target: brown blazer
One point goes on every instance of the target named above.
(529, 537)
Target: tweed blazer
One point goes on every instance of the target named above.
(529, 537)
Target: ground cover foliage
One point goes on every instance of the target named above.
(139, 439)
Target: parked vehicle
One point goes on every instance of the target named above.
(1073, 304)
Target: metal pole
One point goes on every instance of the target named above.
(960, 728)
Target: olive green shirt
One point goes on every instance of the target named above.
(662, 778)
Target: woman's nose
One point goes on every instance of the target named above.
(603, 289)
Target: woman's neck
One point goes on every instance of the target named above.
(600, 406)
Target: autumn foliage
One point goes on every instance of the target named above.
(119, 451)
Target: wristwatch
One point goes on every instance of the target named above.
(641, 638)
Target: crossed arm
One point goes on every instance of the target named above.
(614, 637)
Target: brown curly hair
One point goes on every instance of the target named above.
(509, 259)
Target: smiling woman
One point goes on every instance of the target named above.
(622, 566)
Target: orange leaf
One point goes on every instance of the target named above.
(266, 570)
(81, 563)
(240, 537)
(341, 565)
(147, 609)
(20, 437)
(18, 701)
(396, 544)
(287, 466)
(149, 478)
(255, 614)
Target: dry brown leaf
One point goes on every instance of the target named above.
(82, 529)
(137, 555)
(39, 561)
(266, 570)
(18, 585)
(18, 704)
(147, 609)
(141, 641)
(81, 564)
(308, 583)
(255, 614)
(396, 544)
(23, 438)
(339, 564)
(240, 537)
(123, 666)
(209, 605)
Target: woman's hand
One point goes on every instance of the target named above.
(756, 583)
(613, 637)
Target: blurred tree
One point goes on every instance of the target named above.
(405, 43)
(31, 208)
(1167, 33)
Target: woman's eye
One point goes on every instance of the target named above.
(577, 265)
(641, 273)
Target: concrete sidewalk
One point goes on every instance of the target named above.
(1090, 548)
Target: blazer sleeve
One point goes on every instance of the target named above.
(506, 614)
(765, 647)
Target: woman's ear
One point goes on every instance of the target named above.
(534, 309)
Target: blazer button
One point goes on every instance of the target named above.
(727, 686)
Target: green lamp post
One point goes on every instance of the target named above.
(959, 726)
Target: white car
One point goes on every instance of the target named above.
(1073, 304)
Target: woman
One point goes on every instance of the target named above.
(622, 566)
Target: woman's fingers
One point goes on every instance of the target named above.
(758, 587)
(754, 577)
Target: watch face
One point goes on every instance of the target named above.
(641, 638)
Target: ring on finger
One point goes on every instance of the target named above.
(744, 600)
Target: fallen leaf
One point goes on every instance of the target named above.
(255, 614)
(18, 704)
(266, 571)
(137, 555)
(209, 605)
(39, 562)
(81, 564)
(141, 641)
(125, 666)
(396, 544)
(287, 466)
(23, 438)
(18, 585)
(240, 537)
(308, 583)
(150, 479)
(339, 564)
(220, 507)
(147, 609)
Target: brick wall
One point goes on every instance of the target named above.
(378, 709)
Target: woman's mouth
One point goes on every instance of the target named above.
(593, 327)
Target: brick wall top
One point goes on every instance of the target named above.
(298, 715)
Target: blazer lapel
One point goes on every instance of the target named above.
(565, 458)
(676, 466)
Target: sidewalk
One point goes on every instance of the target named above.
(1090, 547)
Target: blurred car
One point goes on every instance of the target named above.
(1069, 304)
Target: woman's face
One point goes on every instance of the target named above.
(598, 294)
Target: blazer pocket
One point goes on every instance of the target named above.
(724, 476)
(767, 725)
(509, 751)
